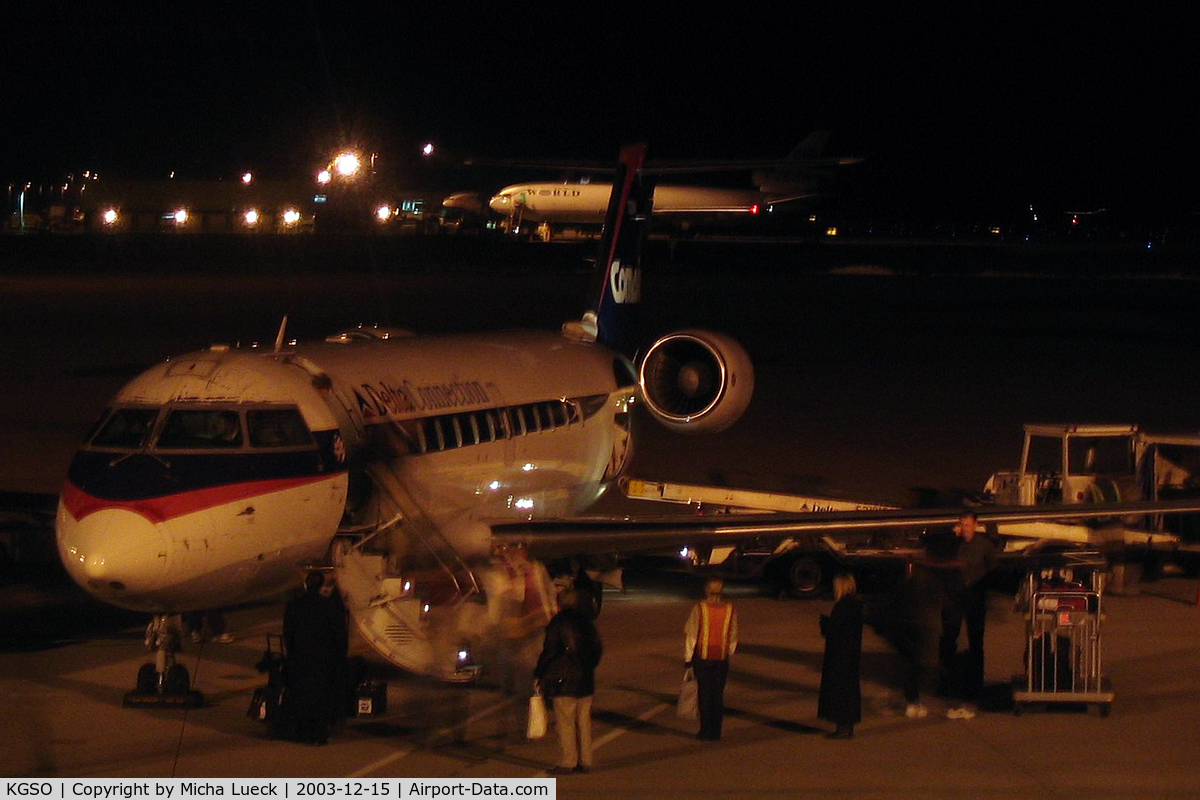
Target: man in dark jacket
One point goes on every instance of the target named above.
(566, 672)
(316, 641)
(966, 599)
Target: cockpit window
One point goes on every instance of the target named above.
(126, 428)
(201, 429)
(282, 427)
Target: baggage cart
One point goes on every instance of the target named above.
(1063, 654)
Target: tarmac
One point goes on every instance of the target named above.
(62, 702)
(877, 372)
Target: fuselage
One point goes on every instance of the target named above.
(213, 478)
(586, 203)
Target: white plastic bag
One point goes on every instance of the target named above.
(536, 727)
(688, 706)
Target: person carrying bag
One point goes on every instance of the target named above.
(566, 673)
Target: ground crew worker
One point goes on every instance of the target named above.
(709, 639)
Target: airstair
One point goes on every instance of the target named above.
(406, 588)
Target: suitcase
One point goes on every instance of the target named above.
(264, 703)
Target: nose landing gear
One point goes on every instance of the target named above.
(163, 683)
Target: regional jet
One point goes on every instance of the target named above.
(214, 478)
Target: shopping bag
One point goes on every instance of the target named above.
(536, 727)
(688, 706)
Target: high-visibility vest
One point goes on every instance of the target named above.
(712, 640)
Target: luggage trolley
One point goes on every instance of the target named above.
(1063, 656)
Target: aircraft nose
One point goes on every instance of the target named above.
(113, 552)
(499, 203)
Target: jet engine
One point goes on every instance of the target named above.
(696, 381)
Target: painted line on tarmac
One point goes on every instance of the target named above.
(615, 732)
(645, 716)
(399, 754)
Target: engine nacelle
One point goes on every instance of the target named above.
(696, 381)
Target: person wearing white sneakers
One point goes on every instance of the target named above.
(967, 601)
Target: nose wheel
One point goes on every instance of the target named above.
(163, 683)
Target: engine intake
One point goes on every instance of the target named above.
(696, 381)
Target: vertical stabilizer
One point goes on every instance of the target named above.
(618, 268)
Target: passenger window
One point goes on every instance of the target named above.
(422, 442)
(201, 430)
(573, 412)
(449, 428)
(126, 428)
(433, 434)
(466, 426)
(491, 421)
(516, 422)
(483, 424)
(282, 427)
(558, 411)
(532, 425)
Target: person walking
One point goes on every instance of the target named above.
(316, 641)
(840, 701)
(566, 674)
(709, 639)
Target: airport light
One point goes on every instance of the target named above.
(427, 150)
(251, 217)
(383, 213)
(180, 216)
(110, 216)
(247, 177)
(324, 176)
(347, 165)
(291, 216)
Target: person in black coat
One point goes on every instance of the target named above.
(316, 640)
(840, 700)
(566, 673)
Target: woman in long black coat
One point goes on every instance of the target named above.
(316, 640)
(840, 701)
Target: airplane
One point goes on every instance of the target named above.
(213, 478)
(797, 177)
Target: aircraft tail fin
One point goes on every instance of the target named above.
(618, 273)
(811, 147)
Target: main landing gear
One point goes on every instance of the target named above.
(164, 683)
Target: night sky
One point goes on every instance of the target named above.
(1076, 107)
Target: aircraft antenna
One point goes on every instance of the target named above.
(279, 336)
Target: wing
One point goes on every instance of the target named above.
(560, 538)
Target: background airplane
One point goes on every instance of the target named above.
(802, 175)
